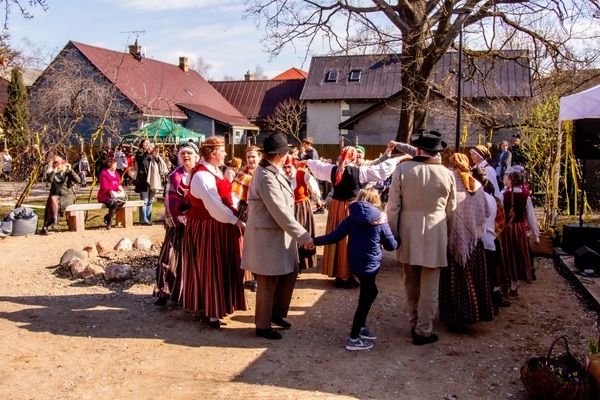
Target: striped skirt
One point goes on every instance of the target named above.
(211, 274)
(168, 273)
(515, 247)
(465, 295)
(304, 216)
(335, 258)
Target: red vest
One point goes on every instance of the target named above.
(198, 209)
(301, 191)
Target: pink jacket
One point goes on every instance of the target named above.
(108, 181)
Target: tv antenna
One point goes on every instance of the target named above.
(137, 34)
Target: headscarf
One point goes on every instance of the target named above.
(192, 146)
(347, 156)
(290, 160)
(460, 162)
(482, 151)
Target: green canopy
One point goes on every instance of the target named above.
(166, 131)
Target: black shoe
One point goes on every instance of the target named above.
(319, 211)
(106, 219)
(458, 328)
(268, 333)
(498, 301)
(419, 340)
(281, 322)
(214, 324)
(161, 301)
(44, 231)
(413, 332)
(352, 283)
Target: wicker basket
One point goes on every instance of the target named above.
(541, 382)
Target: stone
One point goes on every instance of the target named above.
(124, 245)
(118, 272)
(92, 252)
(91, 271)
(104, 246)
(157, 245)
(77, 266)
(70, 255)
(145, 276)
(142, 243)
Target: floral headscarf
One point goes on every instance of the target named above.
(347, 156)
(460, 162)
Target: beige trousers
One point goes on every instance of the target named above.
(422, 289)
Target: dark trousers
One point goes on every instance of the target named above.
(273, 297)
(368, 294)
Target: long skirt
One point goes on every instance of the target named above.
(211, 274)
(242, 214)
(168, 274)
(465, 295)
(335, 259)
(304, 216)
(515, 247)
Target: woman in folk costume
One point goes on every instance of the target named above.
(520, 220)
(465, 295)
(347, 179)
(240, 186)
(481, 157)
(168, 274)
(305, 188)
(212, 240)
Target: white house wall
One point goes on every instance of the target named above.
(322, 120)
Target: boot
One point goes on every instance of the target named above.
(109, 218)
(498, 301)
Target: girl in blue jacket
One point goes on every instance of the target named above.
(367, 230)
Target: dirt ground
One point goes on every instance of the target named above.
(67, 339)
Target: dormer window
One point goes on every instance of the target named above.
(355, 75)
(331, 76)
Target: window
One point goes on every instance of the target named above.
(331, 76)
(355, 75)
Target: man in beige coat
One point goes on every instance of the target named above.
(270, 249)
(420, 210)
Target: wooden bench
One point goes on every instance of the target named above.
(76, 214)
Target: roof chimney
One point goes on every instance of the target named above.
(136, 50)
(247, 76)
(183, 64)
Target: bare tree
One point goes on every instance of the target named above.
(259, 73)
(423, 31)
(23, 7)
(288, 117)
(202, 67)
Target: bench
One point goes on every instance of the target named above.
(76, 214)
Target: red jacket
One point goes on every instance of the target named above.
(108, 181)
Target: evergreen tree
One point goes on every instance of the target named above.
(16, 115)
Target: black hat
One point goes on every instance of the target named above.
(430, 141)
(276, 144)
(516, 135)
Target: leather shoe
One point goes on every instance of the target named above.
(281, 322)
(268, 333)
(161, 301)
(413, 332)
(214, 324)
(419, 340)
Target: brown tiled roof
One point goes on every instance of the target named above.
(380, 77)
(292, 73)
(257, 99)
(156, 87)
(505, 75)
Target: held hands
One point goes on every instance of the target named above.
(310, 245)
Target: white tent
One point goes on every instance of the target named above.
(581, 105)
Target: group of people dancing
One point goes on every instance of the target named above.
(461, 241)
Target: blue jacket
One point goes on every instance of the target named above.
(367, 229)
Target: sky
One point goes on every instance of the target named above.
(212, 29)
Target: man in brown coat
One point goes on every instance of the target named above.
(270, 249)
(420, 210)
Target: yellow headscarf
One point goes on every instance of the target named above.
(460, 162)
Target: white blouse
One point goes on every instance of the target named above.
(373, 173)
(204, 186)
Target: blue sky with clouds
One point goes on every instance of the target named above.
(211, 29)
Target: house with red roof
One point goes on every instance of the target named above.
(87, 87)
(257, 99)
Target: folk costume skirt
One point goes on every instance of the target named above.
(515, 247)
(305, 217)
(465, 294)
(335, 258)
(168, 273)
(211, 274)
